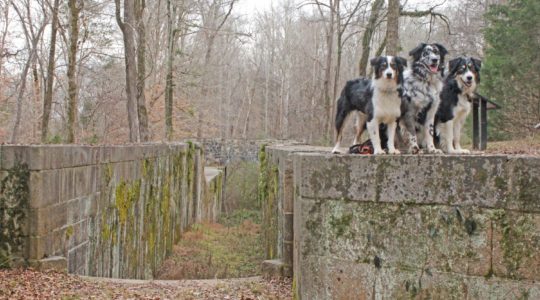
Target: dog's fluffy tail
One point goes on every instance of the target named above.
(341, 113)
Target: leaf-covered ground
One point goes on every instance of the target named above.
(527, 146)
(30, 284)
(230, 249)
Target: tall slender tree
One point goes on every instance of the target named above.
(32, 38)
(47, 100)
(140, 6)
(75, 8)
(127, 26)
(392, 28)
(171, 10)
(212, 27)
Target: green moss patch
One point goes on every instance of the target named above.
(14, 199)
(267, 197)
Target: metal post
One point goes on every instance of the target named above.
(476, 133)
(483, 124)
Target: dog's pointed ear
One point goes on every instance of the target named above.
(453, 65)
(402, 61)
(417, 52)
(374, 61)
(442, 49)
(477, 63)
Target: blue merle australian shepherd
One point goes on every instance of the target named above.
(456, 98)
(377, 101)
(421, 88)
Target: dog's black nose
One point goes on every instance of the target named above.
(388, 75)
(469, 78)
(434, 60)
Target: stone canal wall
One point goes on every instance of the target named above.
(395, 227)
(112, 211)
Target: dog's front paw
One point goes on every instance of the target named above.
(394, 151)
(378, 152)
(464, 151)
(336, 150)
(451, 151)
(415, 150)
(435, 151)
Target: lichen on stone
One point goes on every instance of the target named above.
(14, 202)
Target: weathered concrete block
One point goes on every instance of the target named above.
(77, 233)
(81, 208)
(45, 157)
(329, 278)
(516, 245)
(441, 238)
(288, 230)
(522, 184)
(45, 188)
(288, 188)
(432, 227)
(78, 257)
(47, 219)
(47, 245)
(50, 187)
(485, 181)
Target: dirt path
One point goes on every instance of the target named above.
(29, 284)
(212, 250)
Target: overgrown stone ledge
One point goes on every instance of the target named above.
(112, 211)
(395, 227)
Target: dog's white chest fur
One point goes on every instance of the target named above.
(386, 105)
(463, 107)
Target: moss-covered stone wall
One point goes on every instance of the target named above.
(276, 194)
(410, 227)
(105, 211)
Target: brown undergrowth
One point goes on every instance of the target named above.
(229, 249)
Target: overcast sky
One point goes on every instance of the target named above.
(246, 7)
(251, 6)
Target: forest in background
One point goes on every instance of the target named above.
(119, 71)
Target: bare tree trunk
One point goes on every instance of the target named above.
(171, 10)
(208, 55)
(267, 93)
(339, 51)
(5, 31)
(36, 86)
(128, 31)
(392, 28)
(328, 70)
(204, 89)
(376, 8)
(286, 107)
(250, 101)
(144, 134)
(47, 100)
(22, 88)
(32, 42)
(74, 10)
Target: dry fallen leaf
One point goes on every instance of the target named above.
(31, 284)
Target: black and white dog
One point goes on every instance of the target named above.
(378, 101)
(421, 87)
(456, 97)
